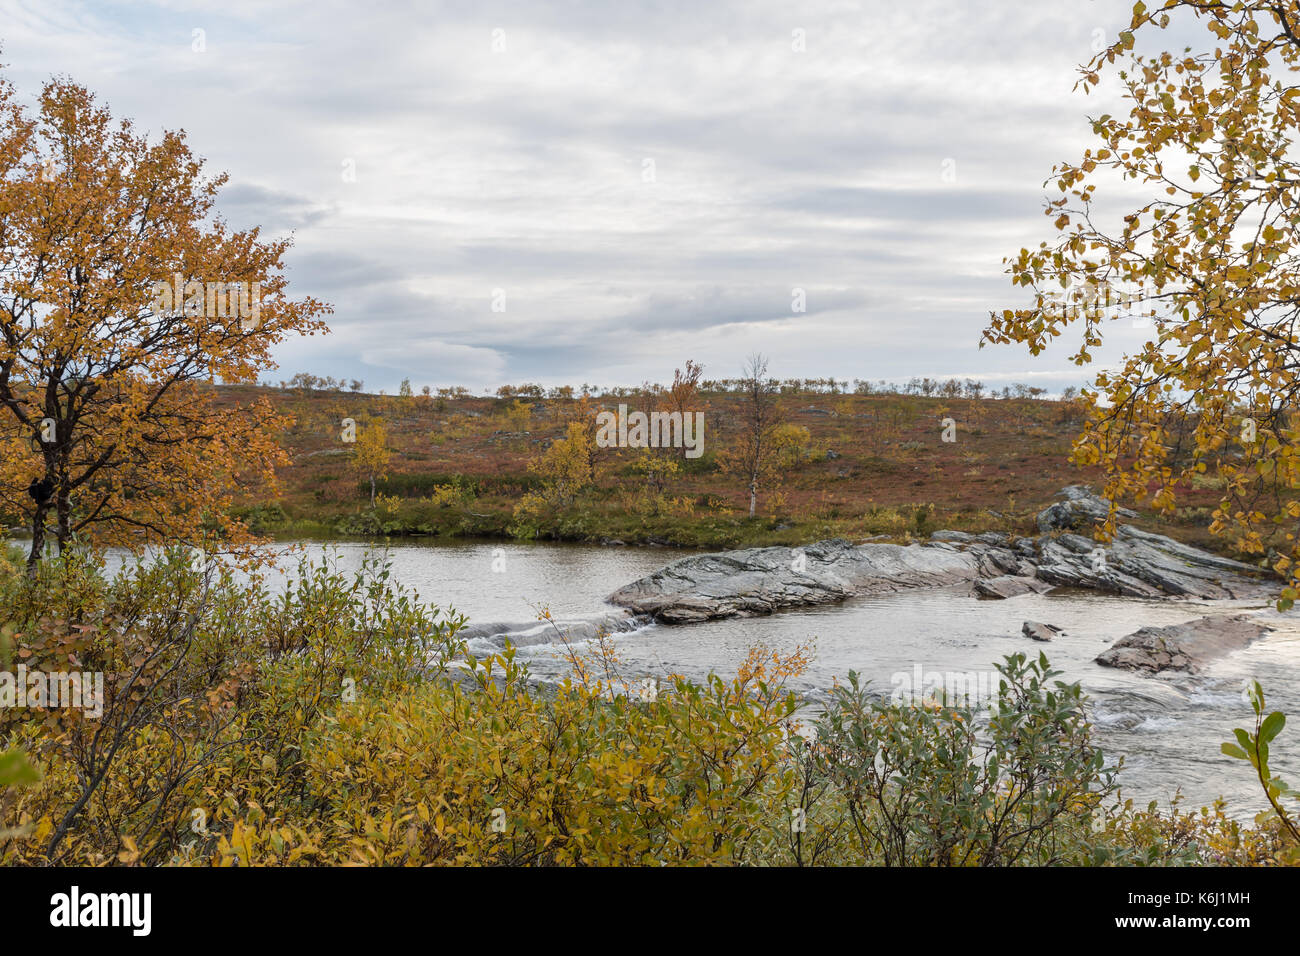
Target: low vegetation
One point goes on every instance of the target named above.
(342, 721)
(847, 459)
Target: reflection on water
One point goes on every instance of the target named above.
(1168, 730)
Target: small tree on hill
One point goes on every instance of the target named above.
(682, 395)
(753, 455)
(370, 454)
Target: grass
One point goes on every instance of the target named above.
(873, 463)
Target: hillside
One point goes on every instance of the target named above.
(871, 464)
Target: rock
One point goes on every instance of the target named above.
(1081, 510)
(960, 536)
(1002, 559)
(1010, 585)
(1182, 647)
(832, 455)
(1039, 632)
(994, 539)
(1140, 564)
(763, 580)
(1078, 544)
(1025, 547)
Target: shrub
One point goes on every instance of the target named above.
(493, 774)
(921, 788)
(210, 686)
(342, 721)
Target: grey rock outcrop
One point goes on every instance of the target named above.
(762, 580)
(1140, 564)
(1009, 586)
(1182, 647)
(1080, 511)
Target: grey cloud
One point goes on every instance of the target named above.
(247, 204)
(522, 171)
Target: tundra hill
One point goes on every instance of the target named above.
(859, 465)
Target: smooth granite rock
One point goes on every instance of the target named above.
(762, 580)
(1182, 647)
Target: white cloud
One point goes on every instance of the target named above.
(524, 170)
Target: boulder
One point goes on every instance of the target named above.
(1081, 510)
(1182, 647)
(1039, 632)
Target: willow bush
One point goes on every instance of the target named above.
(340, 720)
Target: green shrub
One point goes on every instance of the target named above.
(922, 788)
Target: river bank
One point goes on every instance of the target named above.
(610, 524)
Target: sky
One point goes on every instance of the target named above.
(588, 191)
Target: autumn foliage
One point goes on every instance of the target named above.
(1205, 264)
(342, 721)
(103, 379)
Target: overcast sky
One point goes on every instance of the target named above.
(638, 183)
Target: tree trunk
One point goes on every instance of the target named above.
(63, 508)
(38, 539)
(753, 495)
(372, 492)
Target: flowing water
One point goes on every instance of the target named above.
(1168, 729)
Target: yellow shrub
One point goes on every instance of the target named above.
(500, 775)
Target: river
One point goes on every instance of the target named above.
(1169, 729)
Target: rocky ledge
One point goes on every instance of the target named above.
(763, 580)
(1182, 647)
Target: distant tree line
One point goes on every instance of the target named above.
(922, 386)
